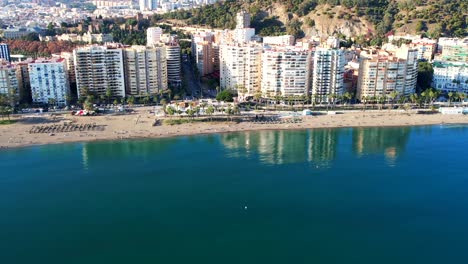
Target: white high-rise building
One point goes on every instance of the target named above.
(153, 36)
(242, 19)
(286, 71)
(173, 63)
(99, 68)
(8, 80)
(383, 73)
(49, 81)
(240, 67)
(147, 5)
(328, 73)
(145, 70)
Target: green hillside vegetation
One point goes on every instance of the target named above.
(273, 17)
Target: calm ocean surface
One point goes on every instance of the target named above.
(373, 195)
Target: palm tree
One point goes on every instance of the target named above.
(461, 96)
(131, 100)
(393, 95)
(414, 98)
(450, 97)
(228, 111)
(108, 94)
(347, 97)
(210, 111)
(190, 113)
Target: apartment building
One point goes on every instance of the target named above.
(145, 70)
(98, 68)
(173, 63)
(205, 52)
(382, 73)
(5, 52)
(153, 36)
(24, 85)
(49, 81)
(328, 73)
(240, 67)
(286, 71)
(285, 40)
(8, 80)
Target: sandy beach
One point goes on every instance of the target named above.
(140, 125)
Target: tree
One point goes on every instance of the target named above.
(393, 95)
(347, 96)
(420, 26)
(425, 75)
(450, 97)
(52, 101)
(228, 111)
(5, 111)
(108, 94)
(131, 100)
(190, 113)
(170, 110)
(88, 105)
(226, 96)
(146, 100)
(210, 111)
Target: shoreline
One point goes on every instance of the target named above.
(139, 126)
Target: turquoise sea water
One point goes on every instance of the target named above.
(374, 195)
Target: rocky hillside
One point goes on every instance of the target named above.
(357, 19)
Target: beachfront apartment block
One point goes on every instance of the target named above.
(450, 76)
(145, 70)
(240, 67)
(328, 73)
(98, 68)
(381, 73)
(8, 80)
(5, 52)
(173, 63)
(286, 71)
(49, 81)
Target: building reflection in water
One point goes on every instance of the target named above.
(114, 151)
(284, 147)
(390, 141)
(318, 147)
